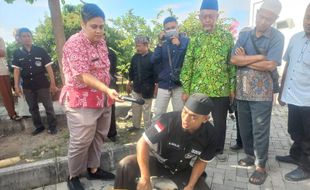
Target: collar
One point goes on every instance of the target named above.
(25, 50)
(267, 33)
(304, 36)
(87, 41)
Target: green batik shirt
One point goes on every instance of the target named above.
(207, 67)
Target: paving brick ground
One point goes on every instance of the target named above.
(228, 175)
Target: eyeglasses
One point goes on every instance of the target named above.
(208, 16)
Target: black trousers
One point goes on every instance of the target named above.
(44, 95)
(219, 115)
(299, 129)
(238, 139)
(128, 171)
(112, 131)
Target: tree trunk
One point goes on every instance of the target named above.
(58, 29)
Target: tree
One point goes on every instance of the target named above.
(58, 29)
(130, 26)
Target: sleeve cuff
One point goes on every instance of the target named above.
(147, 139)
(206, 161)
(14, 66)
(49, 64)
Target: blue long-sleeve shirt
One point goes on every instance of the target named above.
(160, 57)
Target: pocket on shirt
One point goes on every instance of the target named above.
(306, 58)
(96, 64)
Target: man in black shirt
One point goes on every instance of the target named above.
(31, 64)
(142, 77)
(175, 140)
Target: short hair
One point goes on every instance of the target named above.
(23, 30)
(170, 19)
(90, 11)
(142, 40)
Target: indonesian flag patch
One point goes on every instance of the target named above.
(159, 127)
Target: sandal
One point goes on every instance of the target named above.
(248, 161)
(258, 177)
(16, 118)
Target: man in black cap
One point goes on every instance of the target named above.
(175, 140)
(207, 68)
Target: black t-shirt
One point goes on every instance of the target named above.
(176, 147)
(33, 67)
(142, 73)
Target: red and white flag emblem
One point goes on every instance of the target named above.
(159, 127)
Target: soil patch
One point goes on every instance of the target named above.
(43, 146)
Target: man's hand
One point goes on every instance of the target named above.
(175, 40)
(161, 37)
(280, 101)
(188, 187)
(144, 184)
(128, 88)
(53, 89)
(114, 95)
(18, 91)
(240, 51)
(184, 97)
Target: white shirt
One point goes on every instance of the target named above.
(3, 64)
(296, 89)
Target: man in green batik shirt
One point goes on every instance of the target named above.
(207, 69)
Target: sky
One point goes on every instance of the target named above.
(21, 14)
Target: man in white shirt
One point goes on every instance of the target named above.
(295, 92)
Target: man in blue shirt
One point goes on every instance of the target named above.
(169, 54)
(295, 91)
(254, 89)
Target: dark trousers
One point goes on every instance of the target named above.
(254, 121)
(238, 139)
(299, 129)
(219, 115)
(32, 98)
(128, 171)
(112, 130)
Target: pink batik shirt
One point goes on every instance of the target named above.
(81, 56)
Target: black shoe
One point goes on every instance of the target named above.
(113, 139)
(235, 147)
(100, 174)
(297, 175)
(52, 130)
(37, 131)
(74, 184)
(286, 159)
(16, 118)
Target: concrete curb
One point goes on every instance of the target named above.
(51, 171)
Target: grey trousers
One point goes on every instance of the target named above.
(88, 128)
(254, 122)
(163, 98)
(137, 111)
